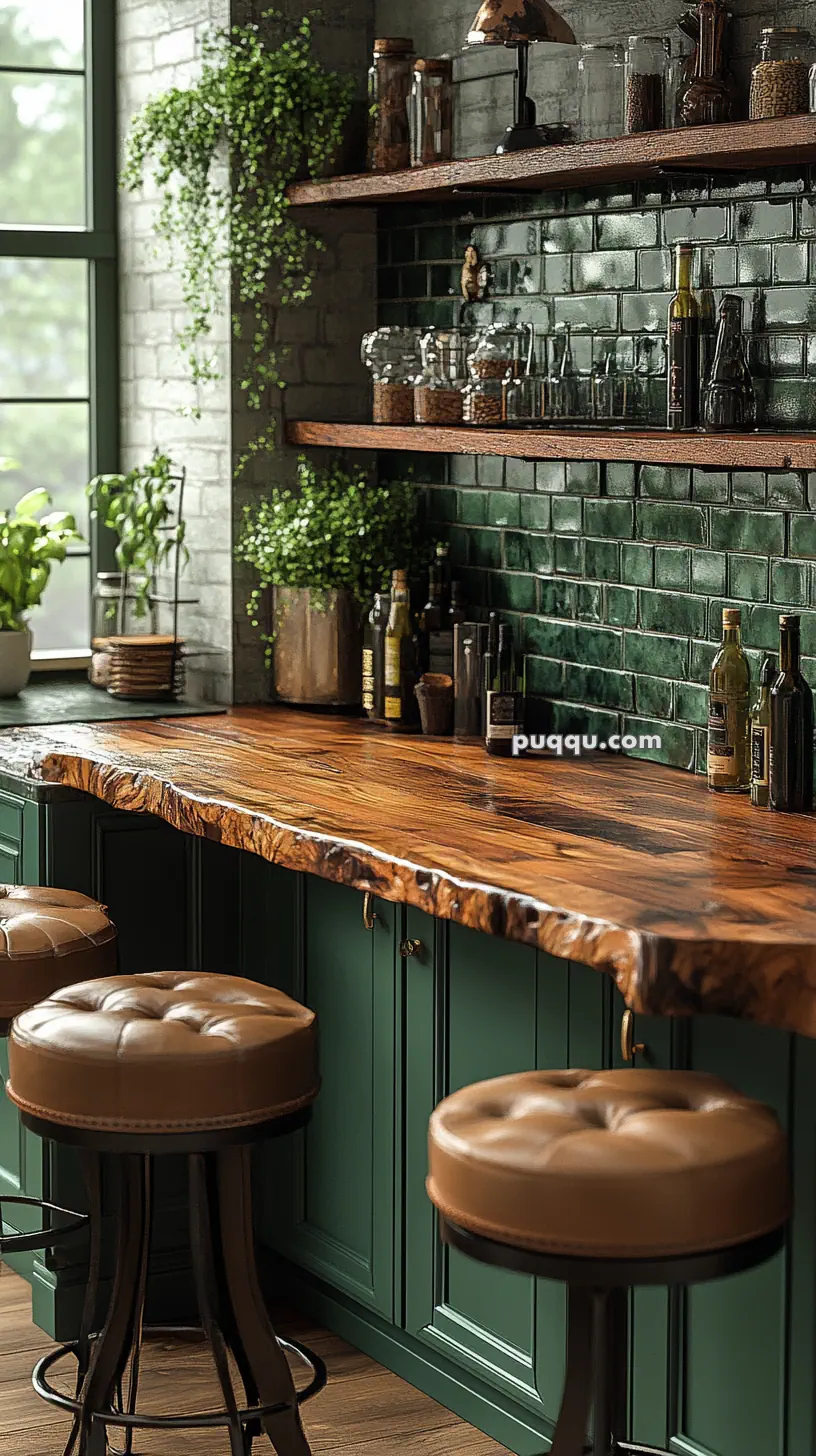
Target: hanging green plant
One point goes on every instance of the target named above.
(266, 111)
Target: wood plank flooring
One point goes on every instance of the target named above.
(365, 1410)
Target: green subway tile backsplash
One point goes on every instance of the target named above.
(615, 575)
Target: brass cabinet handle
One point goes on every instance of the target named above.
(369, 915)
(629, 1047)
(409, 948)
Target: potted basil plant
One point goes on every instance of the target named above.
(326, 547)
(28, 549)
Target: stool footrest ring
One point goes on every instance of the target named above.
(123, 1419)
(41, 1238)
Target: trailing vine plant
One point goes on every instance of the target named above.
(266, 111)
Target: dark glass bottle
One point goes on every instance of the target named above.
(684, 348)
(442, 572)
(791, 758)
(729, 402)
(374, 657)
(504, 711)
(401, 666)
(709, 96)
(707, 305)
(489, 660)
(458, 611)
(761, 734)
(729, 767)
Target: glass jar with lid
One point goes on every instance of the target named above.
(439, 390)
(389, 93)
(779, 80)
(496, 352)
(600, 92)
(432, 113)
(647, 71)
(392, 355)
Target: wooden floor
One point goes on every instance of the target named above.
(365, 1410)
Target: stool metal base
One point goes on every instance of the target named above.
(44, 1238)
(597, 1375)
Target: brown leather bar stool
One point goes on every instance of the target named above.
(48, 938)
(607, 1180)
(137, 1067)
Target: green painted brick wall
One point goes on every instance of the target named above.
(615, 575)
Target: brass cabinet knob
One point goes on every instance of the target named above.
(629, 1047)
(410, 948)
(369, 915)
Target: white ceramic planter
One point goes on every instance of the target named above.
(15, 662)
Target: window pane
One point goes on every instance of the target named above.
(64, 617)
(50, 443)
(42, 146)
(43, 327)
(41, 33)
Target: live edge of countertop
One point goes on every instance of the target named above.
(693, 902)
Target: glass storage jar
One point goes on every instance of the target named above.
(392, 355)
(439, 390)
(779, 80)
(389, 94)
(119, 608)
(432, 113)
(647, 72)
(600, 92)
(485, 402)
(497, 352)
(680, 76)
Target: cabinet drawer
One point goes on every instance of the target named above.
(11, 819)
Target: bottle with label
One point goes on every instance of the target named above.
(761, 734)
(684, 348)
(729, 765)
(791, 757)
(504, 701)
(442, 567)
(401, 667)
(489, 662)
(437, 636)
(374, 657)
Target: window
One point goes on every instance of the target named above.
(58, 332)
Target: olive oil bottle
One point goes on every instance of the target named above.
(401, 668)
(729, 765)
(684, 348)
(374, 657)
(791, 775)
(761, 734)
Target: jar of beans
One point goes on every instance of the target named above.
(779, 81)
(389, 93)
(439, 390)
(497, 352)
(392, 355)
(485, 402)
(647, 69)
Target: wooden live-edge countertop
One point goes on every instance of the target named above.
(693, 902)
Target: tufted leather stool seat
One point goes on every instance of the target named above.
(634, 1163)
(165, 1052)
(48, 939)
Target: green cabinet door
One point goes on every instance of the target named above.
(477, 1007)
(329, 1198)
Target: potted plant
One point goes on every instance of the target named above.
(144, 510)
(28, 549)
(326, 548)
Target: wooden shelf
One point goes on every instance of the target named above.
(738, 146)
(713, 452)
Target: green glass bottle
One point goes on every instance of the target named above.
(791, 774)
(729, 763)
(684, 348)
(761, 734)
(401, 666)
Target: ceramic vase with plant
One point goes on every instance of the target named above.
(30, 543)
(326, 547)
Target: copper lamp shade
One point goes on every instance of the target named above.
(514, 22)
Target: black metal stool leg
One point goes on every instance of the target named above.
(92, 1169)
(610, 1367)
(266, 1358)
(111, 1349)
(137, 1335)
(206, 1283)
(573, 1420)
(232, 1335)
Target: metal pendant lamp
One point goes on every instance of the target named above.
(520, 23)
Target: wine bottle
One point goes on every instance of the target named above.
(684, 348)
(729, 768)
(761, 734)
(504, 714)
(791, 758)
(374, 657)
(729, 401)
(489, 658)
(401, 707)
(437, 634)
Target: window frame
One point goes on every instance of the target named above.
(96, 243)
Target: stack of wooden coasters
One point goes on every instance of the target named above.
(144, 667)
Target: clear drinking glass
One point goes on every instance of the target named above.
(601, 91)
